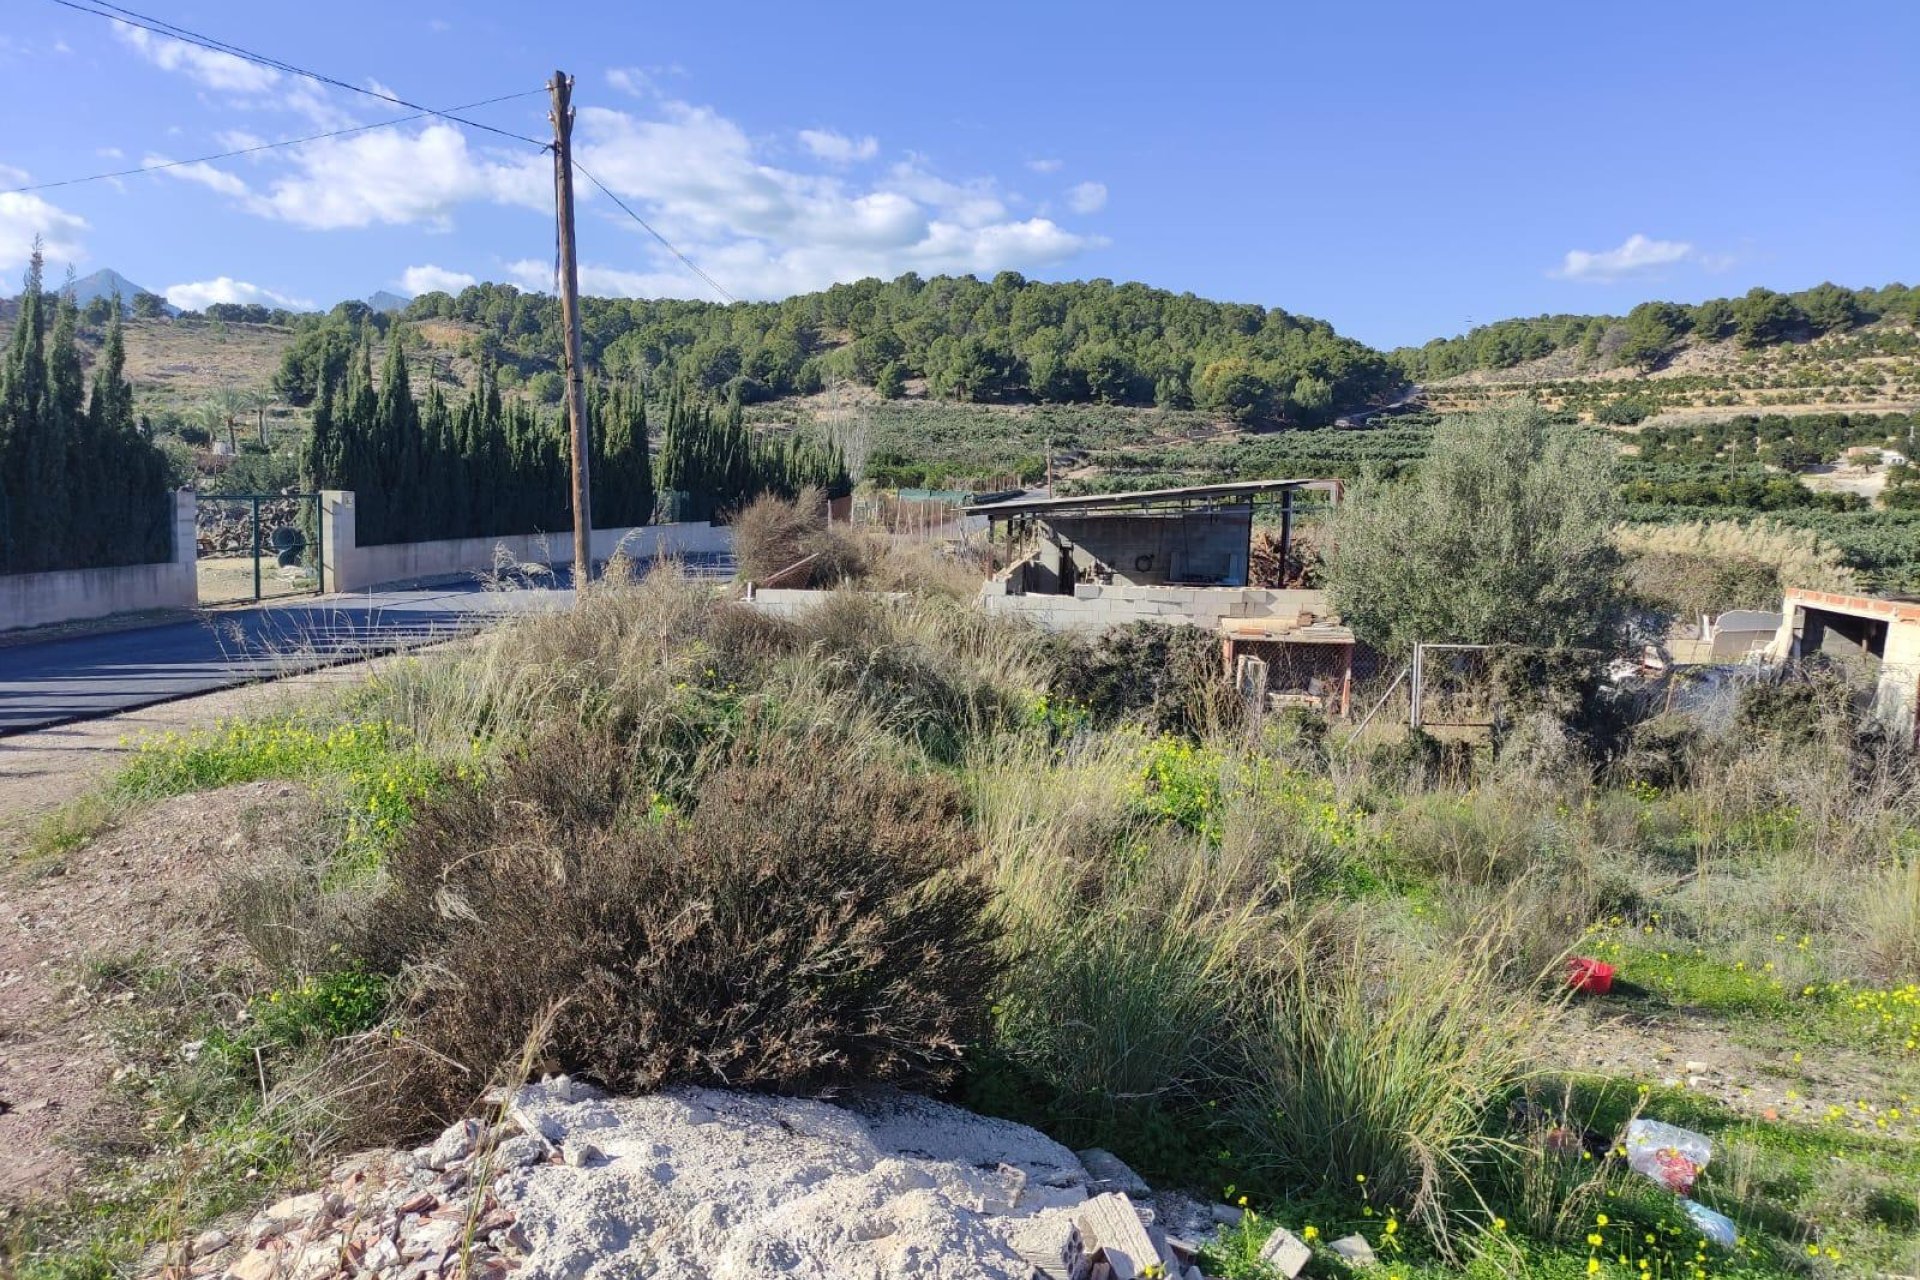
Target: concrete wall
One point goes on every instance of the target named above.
(70, 595)
(1095, 608)
(791, 602)
(350, 567)
(1148, 550)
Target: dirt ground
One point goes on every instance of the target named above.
(75, 927)
(138, 892)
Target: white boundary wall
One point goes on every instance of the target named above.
(350, 567)
(72, 595)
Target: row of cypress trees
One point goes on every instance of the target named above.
(424, 469)
(81, 486)
(711, 463)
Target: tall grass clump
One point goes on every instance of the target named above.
(772, 535)
(1705, 566)
(1373, 1063)
(1890, 922)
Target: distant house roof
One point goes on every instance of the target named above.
(1187, 495)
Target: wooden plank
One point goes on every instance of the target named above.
(1109, 1224)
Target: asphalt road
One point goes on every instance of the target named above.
(78, 677)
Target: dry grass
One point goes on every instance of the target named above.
(1685, 561)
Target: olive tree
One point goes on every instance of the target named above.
(1502, 536)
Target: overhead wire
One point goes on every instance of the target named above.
(672, 248)
(160, 27)
(264, 146)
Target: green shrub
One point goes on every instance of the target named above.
(384, 775)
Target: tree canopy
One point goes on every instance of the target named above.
(1501, 536)
(80, 486)
(1008, 339)
(1652, 330)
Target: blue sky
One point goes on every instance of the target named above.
(1401, 170)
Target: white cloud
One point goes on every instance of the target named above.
(110, 153)
(763, 229)
(838, 148)
(24, 216)
(387, 177)
(1087, 197)
(215, 70)
(203, 174)
(202, 294)
(431, 279)
(630, 80)
(1637, 255)
(1045, 165)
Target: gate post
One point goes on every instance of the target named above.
(337, 539)
(256, 548)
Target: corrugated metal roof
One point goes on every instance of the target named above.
(1141, 497)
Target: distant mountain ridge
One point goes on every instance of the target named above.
(385, 300)
(105, 283)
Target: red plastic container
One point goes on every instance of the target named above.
(1589, 976)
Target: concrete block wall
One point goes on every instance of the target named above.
(351, 567)
(1096, 608)
(73, 595)
(1148, 550)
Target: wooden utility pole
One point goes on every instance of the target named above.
(562, 89)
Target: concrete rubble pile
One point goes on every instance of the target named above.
(565, 1183)
(226, 528)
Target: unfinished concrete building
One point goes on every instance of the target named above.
(1882, 634)
(1176, 557)
(1197, 535)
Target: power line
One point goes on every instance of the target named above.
(264, 146)
(689, 263)
(116, 13)
(159, 27)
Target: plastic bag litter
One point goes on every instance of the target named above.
(1717, 1227)
(1668, 1154)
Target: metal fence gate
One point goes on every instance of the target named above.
(258, 546)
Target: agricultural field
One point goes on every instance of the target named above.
(1875, 369)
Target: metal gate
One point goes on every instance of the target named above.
(258, 546)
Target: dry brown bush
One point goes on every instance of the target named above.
(812, 920)
(774, 534)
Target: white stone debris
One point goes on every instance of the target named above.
(701, 1184)
(1353, 1250)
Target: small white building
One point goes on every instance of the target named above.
(1885, 634)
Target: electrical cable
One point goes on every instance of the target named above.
(264, 146)
(160, 27)
(689, 263)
